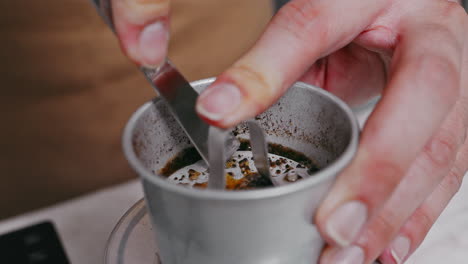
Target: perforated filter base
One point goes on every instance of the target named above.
(281, 169)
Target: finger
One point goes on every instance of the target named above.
(423, 88)
(352, 73)
(142, 28)
(302, 32)
(416, 228)
(424, 175)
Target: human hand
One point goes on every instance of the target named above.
(142, 27)
(413, 154)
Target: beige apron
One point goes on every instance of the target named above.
(67, 91)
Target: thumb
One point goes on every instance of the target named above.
(143, 29)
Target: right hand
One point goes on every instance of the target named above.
(142, 27)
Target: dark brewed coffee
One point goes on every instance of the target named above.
(187, 168)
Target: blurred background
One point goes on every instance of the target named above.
(67, 90)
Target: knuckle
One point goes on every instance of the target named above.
(423, 221)
(389, 171)
(384, 227)
(377, 234)
(297, 17)
(441, 151)
(451, 184)
(441, 72)
(438, 68)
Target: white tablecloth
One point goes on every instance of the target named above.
(84, 224)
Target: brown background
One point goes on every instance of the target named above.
(66, 90)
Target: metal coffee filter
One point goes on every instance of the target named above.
(279, 125)
(211, 226)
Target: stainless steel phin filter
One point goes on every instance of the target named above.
(264, 226)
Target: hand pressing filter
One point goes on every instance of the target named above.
(413, 153)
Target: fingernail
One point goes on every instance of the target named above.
(218, 101)
(400, 248)
(345, 223)
(349, 255)
(153, 44)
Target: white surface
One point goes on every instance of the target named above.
(84, 225)
(447, 242)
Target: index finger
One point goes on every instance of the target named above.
(302, 32)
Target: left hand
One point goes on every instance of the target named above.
(413, 154)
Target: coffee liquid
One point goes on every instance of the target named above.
(286, 165)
